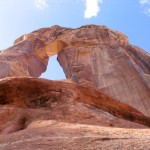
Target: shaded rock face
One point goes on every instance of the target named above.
(108, 84)
(63, 101)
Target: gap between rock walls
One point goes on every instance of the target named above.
(54, 70)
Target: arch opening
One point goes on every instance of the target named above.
(54, 70)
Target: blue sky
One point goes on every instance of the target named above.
(17, 17)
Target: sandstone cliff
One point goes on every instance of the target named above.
(109, 84)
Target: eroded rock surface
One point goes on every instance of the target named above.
(62, 99)
(90, 55)
(52, 134)
(108, 84)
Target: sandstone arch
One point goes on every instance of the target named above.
(91, 56)
(29, 55)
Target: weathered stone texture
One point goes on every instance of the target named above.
(108, 84)
(90, 55)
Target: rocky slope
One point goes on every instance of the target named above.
(108, 84)
(55, 135)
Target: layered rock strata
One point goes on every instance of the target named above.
(23, 100)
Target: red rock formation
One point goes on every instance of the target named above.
(108, 80)
(60, 97)
(90, 55)
(55, 115)
(51, 134)
(116, 67)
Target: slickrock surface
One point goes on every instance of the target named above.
(55, 135)
(103, 104)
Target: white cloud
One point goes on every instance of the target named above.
(92, 8)
(147, 11)
(41, 4)
(142, 2)
(145, 4)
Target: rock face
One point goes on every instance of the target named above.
(90, 55)
(62, 100)
(110, 63)
(51, 134)
(60, 115)
(108, 84)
